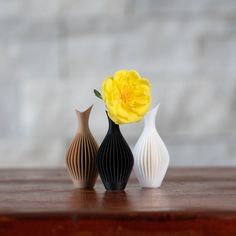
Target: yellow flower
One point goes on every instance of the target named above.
(127, 96)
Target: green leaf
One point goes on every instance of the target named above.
(97, 93)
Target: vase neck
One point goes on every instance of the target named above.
(113, 127)
(83, 120)
(150, 119)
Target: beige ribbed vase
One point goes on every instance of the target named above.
(81, 155)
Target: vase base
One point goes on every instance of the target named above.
(150, 184)
(113, 186)
(83, 184)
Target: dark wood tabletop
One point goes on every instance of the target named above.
(191, 201)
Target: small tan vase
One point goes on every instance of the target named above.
(81, 155)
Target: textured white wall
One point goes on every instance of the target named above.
(53, 53)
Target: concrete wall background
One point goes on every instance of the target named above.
(53, 53)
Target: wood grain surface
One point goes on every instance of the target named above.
(200, 201)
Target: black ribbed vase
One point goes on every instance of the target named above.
(114, 159)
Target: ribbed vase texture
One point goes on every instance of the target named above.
(114, 159)
(81, 155)
(151, 157)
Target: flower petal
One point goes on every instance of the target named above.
(127, 96)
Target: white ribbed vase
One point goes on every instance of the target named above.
(151, 157)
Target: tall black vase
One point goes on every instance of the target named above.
(114, 159)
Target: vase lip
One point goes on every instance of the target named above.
(155, 109)
(112, 127)
(150, 117)
(84, 111)
(110, 118)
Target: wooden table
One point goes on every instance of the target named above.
(191, 201)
